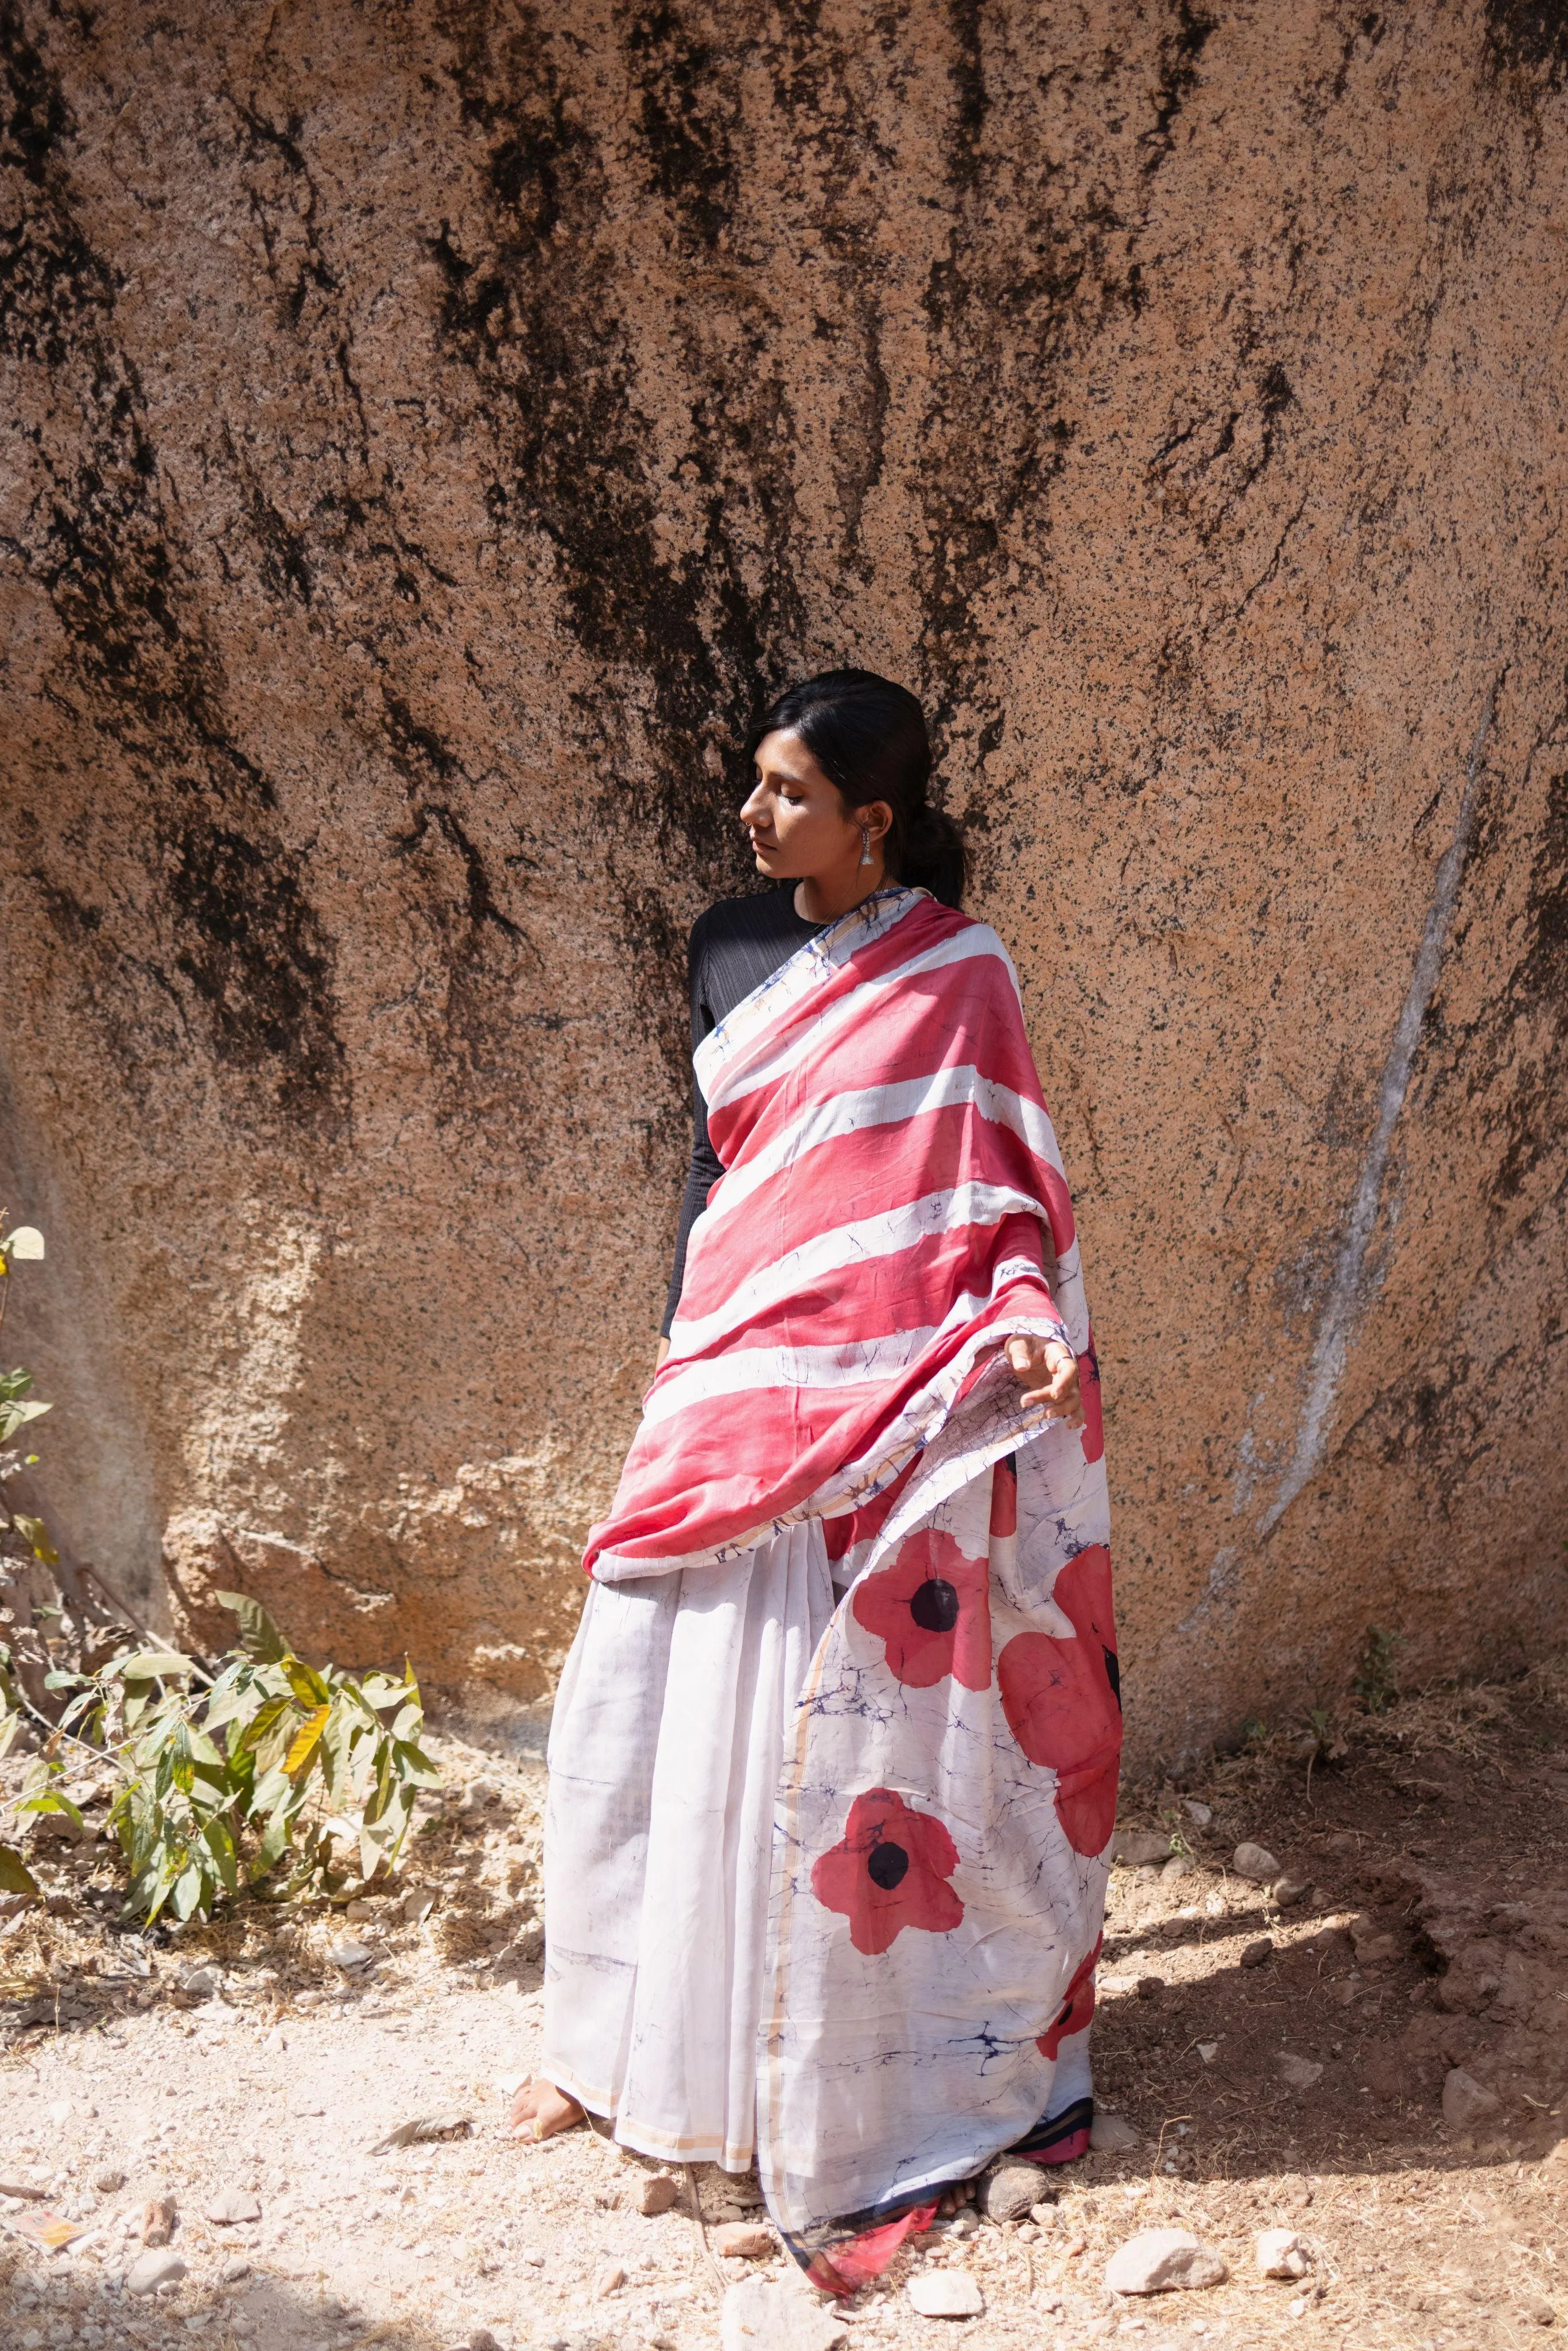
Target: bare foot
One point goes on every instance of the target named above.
(539, 2110)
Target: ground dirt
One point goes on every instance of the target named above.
(1432, 1936)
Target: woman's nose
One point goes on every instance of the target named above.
(751, 812)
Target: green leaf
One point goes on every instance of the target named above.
(267, 1717)
(259, 1637)
(15, 1878)
(221, 1845)
(151, 1665)
(415, 1764)
(189, 1891)
(14, 1417)
(49, 1800)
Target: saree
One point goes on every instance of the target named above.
(833, 1769)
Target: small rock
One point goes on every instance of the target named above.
(1109, 2135)
(108, 2178)
(962, 2225)
(153, 2270)
(416, 1906)
(233, 2271)
(232, 2204)
(158, 2219)
(201, 1983)
(1541, 2312)
(1009, 2191)
(361, 1912)
(744, 2241)
(1255, 1861)
(350, 1955)
(1208, 2051)
(1279, 2253)
(1326, 1940)
(1149, 1986)
(1466, 2102)
(1288, 1891)
(1045, 2216)
(1180, 1865)
(1297, 2073)
(608, 2280)
(481, 2339)
(946, 2293)
(1135, 1848)
(1201, 1813)
(1374, 1943)
(1157, 2260)
(658, 2194)
(757, 2316)
(529, 1941)
(1258, 1954)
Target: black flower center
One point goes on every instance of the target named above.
(887, 1865)
(934, 1606)
(1113, 1673)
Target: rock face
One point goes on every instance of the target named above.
(426, 437)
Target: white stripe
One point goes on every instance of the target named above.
(728, 1076)
(750, 1369)
(808, 965)
(846, 1113)
(883, 1235)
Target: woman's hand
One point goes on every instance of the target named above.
(1048, 1374)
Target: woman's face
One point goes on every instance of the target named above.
(799, 826)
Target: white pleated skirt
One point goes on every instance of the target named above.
(665, 1755)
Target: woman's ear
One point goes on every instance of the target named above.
(877, 815)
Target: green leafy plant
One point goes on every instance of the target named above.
(1373, 1682)
(269, 1772)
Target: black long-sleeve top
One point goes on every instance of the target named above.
(734, 947)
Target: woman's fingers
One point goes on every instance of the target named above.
(1051, 1371)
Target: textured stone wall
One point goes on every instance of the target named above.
(427, 433)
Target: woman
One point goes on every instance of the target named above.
(833, 1764)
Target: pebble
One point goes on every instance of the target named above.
(1279, 2253)
(1148, 1986)
(1009, 2191)
(1255, 1861)
(1542, 2312)
(1135, 1848)
(201, 1982)
(233, 2271)
(1466, 2102)
(1373, 1944)
(232, 2205)
(1208, 2051)
(744, 2241)
(608, 2280)
(158, 2219)
(1180, 1865)
(349, 1955)
(1201, 1813)
(757, 2316)
(1258, 1954)
(1109, 2135)
(108, 2178)
(1158, 2259)
(153, 2270)
(658, 2194)
(946, 2293)
(1288, 1891)
(416, 1906)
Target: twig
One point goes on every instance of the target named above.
(694, 2202)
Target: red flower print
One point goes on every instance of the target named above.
(888, 1871)
(1061, 1699)
(1092, 1433)
(933, 1610)
(1077, 2008)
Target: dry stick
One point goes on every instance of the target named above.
(694, 2201)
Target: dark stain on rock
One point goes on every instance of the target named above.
(1531, 36)
(240, 932)
(1179, 51)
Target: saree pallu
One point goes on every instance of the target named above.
(834, 1767)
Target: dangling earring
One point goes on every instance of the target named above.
(865, 845)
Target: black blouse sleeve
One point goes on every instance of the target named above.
(705, 1170)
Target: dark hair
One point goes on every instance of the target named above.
(869, 736)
